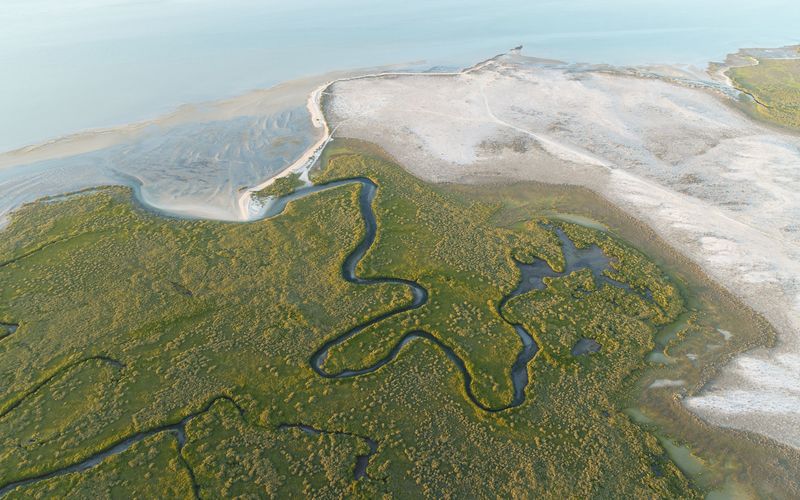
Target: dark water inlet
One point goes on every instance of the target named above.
(7, 329)
(575, 259)
(362, 461)
(585, 346)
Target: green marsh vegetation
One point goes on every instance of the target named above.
(130, 322)
(712, 328)
(775, 86)
(282, 186)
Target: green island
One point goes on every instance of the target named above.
(774, 85)
(145, 356)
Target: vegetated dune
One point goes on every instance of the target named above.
(669, 150)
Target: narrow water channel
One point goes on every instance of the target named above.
(179, 429)
(362, 461)
(532, 277)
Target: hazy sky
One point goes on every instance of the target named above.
(69, 65)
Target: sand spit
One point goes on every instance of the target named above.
(250, 207)
(662, 144)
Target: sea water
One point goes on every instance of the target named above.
(69, 66)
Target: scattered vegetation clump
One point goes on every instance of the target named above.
(281, 186)
(215, 323)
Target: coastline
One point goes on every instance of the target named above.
(629, 189)
(249, 103)
(310, 156)
(639, 231)
(262, 102)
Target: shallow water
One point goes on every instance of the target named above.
(591, 257)
(683, 458)
(137, 61)
(7, 329)
(585, 346)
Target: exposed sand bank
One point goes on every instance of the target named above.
(249, 207)
(201, 161)
(664, 146)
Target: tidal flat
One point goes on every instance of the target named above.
(670, 150)
(194, 162)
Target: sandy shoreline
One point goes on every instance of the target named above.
(201, 161)
(192, 163)
(263, 102)
(256, 102)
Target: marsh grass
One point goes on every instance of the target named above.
(102, 277)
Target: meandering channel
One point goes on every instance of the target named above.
(532, 275)
(368, 190)
(179, 429)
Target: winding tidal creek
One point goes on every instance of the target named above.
(532, 278)
(533, 274)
